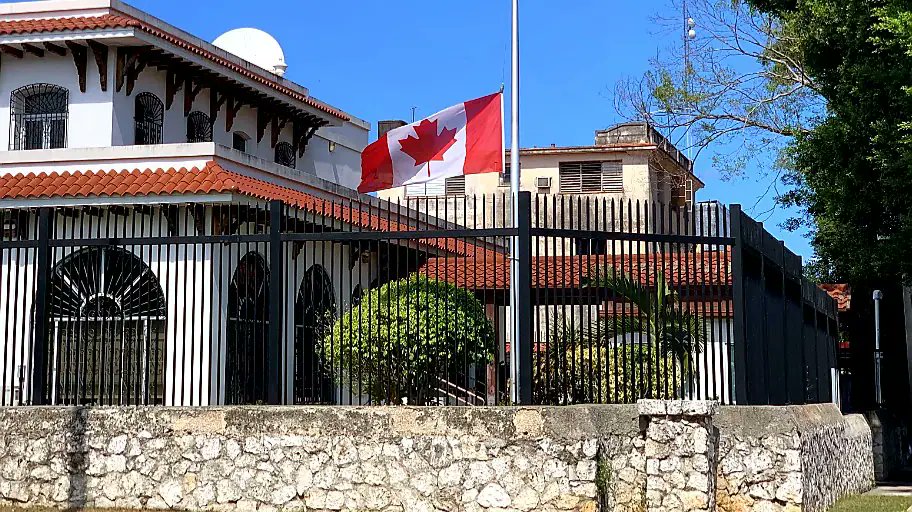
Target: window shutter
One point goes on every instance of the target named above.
(455, 186)
(591, 177)
(570, 179)
(612, 177)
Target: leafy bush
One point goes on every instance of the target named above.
(619, 374)
(409, 338)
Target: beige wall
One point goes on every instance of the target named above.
(638, 182)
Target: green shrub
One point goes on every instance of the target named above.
(621, 374)
(406, 336)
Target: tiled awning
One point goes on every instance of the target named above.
(210, 179)
(708, 268)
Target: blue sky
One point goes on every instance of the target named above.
(377, 59)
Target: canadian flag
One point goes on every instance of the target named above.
(464, 139)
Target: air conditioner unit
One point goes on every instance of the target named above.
(543, 182)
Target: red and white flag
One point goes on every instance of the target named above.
(464, 139)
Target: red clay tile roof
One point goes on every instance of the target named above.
(841, 293)
(210, 179)
(112, 21)
(569, 272)
(716, 308)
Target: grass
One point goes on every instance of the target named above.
(868, 503)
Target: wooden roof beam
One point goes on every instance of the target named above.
(80, 59)
(11, 50)
(100, 52)
(34, 50)
(56, 49)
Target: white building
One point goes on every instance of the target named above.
(120, 127)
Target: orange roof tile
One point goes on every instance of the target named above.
(709, 268)
(841, 293)
(210, 179)
(112, 21)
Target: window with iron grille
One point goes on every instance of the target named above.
(149, 117)
(454, 186)
(38, 117)
(591, 177)
(109, 313)
(285, 154)
(199, 127)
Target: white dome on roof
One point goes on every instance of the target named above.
(256, 46)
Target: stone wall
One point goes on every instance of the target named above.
(888, 434)
(625, 458)
(790, 458)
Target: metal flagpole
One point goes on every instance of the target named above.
(514, 209)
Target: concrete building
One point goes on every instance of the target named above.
(630, 161)
(631, 179)
(116, 125)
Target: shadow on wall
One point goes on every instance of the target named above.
(77, 452)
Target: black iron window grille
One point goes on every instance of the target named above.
(285, 154)
(199, 127)
(107, 314)
(315, 309)
(248, 313)
(38, 117)
(149, 119)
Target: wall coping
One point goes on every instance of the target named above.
(678, 407)
(768, 420)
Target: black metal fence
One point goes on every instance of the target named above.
(365, 302)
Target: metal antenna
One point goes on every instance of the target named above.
(689, 34)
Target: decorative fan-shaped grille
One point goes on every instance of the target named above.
(199, 127)
(248, 310)
(38, 117)
(285, 154)
(315, 309)
(150, 117)
(105, 282)
(108, 316)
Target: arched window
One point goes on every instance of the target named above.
(315, 309)
(248, 328)
(199, 127)
(285, 154)
(38, 117)
(108, 326)
(149, 119)
(239, 141)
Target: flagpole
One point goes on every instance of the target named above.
(514, 196)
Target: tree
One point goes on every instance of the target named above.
(853, 172)
(824, 87)
(740, 84)
(656, 311)
(414, 338)
(593, 363)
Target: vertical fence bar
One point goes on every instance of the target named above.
(40, 347)
(737, 270)
(523, 337)
(274, 350)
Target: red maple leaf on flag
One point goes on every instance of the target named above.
(429, 145)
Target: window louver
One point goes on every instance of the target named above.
(454, 186)
(591, 177)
